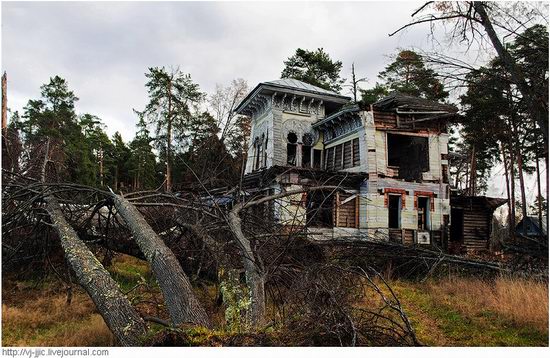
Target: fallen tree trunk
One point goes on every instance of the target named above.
(117, 311)
(182, 304)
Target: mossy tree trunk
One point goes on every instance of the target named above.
(183, 306)
(117, 311)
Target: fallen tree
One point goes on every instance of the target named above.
(180, 300)
(117, 311)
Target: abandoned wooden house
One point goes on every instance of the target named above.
(472, 223)
(390, 162)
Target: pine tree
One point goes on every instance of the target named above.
(171, 94)
(120, 168)
(142, 164)
(408, 74)
(53, 116)
(314, 67)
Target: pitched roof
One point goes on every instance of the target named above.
(535, 221)
(397, 100)
(489, 202)
(293, 83)
(351, 109)
(296, 86)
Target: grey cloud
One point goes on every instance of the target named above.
(104, 49)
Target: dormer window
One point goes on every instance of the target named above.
(292, 143)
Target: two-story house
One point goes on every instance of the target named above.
(389, 162)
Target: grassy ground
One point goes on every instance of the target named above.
(471, 312)
(37, 314)
(450, 312)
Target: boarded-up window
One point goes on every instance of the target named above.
(346, 212)
(343, 156)
(356, 157)
(338, 157)
(329, 159)
(348, 161)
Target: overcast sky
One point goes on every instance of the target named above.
(103, 49)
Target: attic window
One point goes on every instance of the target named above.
(409, 154)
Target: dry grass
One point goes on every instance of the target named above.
(36, 314)
(525, 302)
(48, 321)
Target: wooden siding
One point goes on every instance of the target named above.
(476, 227)
(346, 215)
(391, 120)
(385, 119)
(356, 155)
(408, 236)
(396, 235)
(347, 155)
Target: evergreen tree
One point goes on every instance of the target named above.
(171, 93)
(314, 67)
(120, 168)
(53, 116)
(142, 164)
(408, 74)
(373, 95)
(100, 145)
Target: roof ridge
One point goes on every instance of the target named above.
(296, 83)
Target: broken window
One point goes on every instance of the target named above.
(409, 154)
(423, 213)
(291, 148)
(307, 143)
(394, 211)
(317, 158)
(319, 212)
